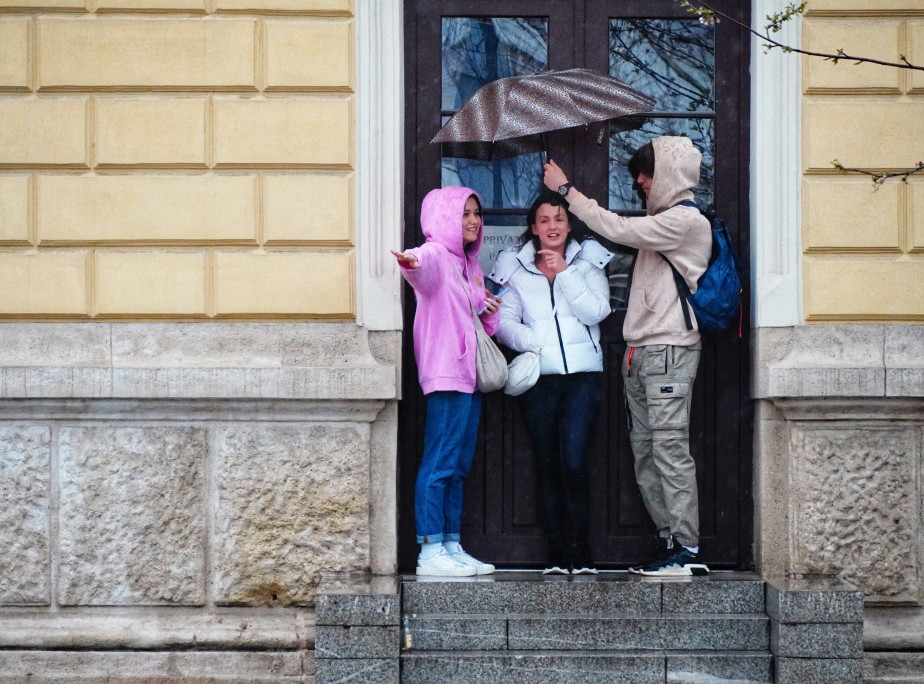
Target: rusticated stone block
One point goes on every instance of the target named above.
(44, 282)
(14, 206)
(138, 53)
(311, 130)
(24, 491)
(813, 600)
(378, 670)
(343, 641)
(292, 500)
(819, 670)
(861, 483)
(309, 53)
(817, 640)
(132, 515)
(284, 282)
(14, 53)
(43, 131)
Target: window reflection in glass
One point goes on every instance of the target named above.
(476, 51)
(671, 60)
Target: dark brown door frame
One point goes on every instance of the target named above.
(724, 410)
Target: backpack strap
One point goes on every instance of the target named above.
(683, 290)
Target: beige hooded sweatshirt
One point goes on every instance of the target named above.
(681, 233)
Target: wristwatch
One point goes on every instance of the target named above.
(563, 189)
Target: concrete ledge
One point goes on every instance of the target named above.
(83, 667)
(893, 629)
(818, 671)
(157, 629)
(210, 360)
(893, 667)
(839, 361)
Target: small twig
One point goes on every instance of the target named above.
(880, 177)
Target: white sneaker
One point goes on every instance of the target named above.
(471, 561)
(443, 565)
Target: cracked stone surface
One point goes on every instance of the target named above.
(24, 515)
(292, 500)
(132, 515)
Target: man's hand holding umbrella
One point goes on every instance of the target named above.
(554, 179)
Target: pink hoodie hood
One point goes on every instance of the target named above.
(441, 219)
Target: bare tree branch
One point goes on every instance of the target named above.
(708, 14)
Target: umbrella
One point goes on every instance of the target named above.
(509, 115)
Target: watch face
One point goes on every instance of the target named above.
(563, 189)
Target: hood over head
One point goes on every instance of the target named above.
(676, 172)
(441, 219)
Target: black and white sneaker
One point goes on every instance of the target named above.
(559, 562)
(680, 562)
(665, 546)
(582, 563)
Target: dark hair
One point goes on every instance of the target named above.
(642, 161)
(547, 197)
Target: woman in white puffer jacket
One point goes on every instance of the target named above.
(558, 294)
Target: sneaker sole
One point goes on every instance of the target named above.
(685, 571)
(480, 568)
(555, 571)
(463, 573)
(586, 571)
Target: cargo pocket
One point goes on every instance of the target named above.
(667, 405)
(654, 361)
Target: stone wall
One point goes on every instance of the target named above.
(839, 457)
(862, 244)
(182, 486)
(177, 159)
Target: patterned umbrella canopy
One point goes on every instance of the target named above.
(519, 109)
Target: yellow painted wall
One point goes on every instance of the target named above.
(863, 248)
(176, 159)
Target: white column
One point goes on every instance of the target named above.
(776, 174)
(379, 160)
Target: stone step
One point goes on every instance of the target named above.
(560, 632)
(607, 593)
(548, 667)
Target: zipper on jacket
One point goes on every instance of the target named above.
(561, 342)
(594, 344)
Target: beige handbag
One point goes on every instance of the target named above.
(490, 364)
(523, 371)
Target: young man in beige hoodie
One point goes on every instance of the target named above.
(662, 355)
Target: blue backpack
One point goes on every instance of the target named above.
(717, 302)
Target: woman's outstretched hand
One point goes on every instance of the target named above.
(408, 261)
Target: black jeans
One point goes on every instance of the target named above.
(561, 412)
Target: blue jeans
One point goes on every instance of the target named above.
(450, 433)
(561, 412)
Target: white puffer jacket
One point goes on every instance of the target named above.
(569, 342)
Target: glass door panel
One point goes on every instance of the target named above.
(476, 51)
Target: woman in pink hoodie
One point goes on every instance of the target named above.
(448, 284)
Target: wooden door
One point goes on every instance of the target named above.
(698, 74)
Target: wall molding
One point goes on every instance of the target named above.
(379, 156)
(776, 175)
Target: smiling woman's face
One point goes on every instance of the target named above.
(471, 221)
(551, 227)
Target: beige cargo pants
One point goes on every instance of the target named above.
(659, 382)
